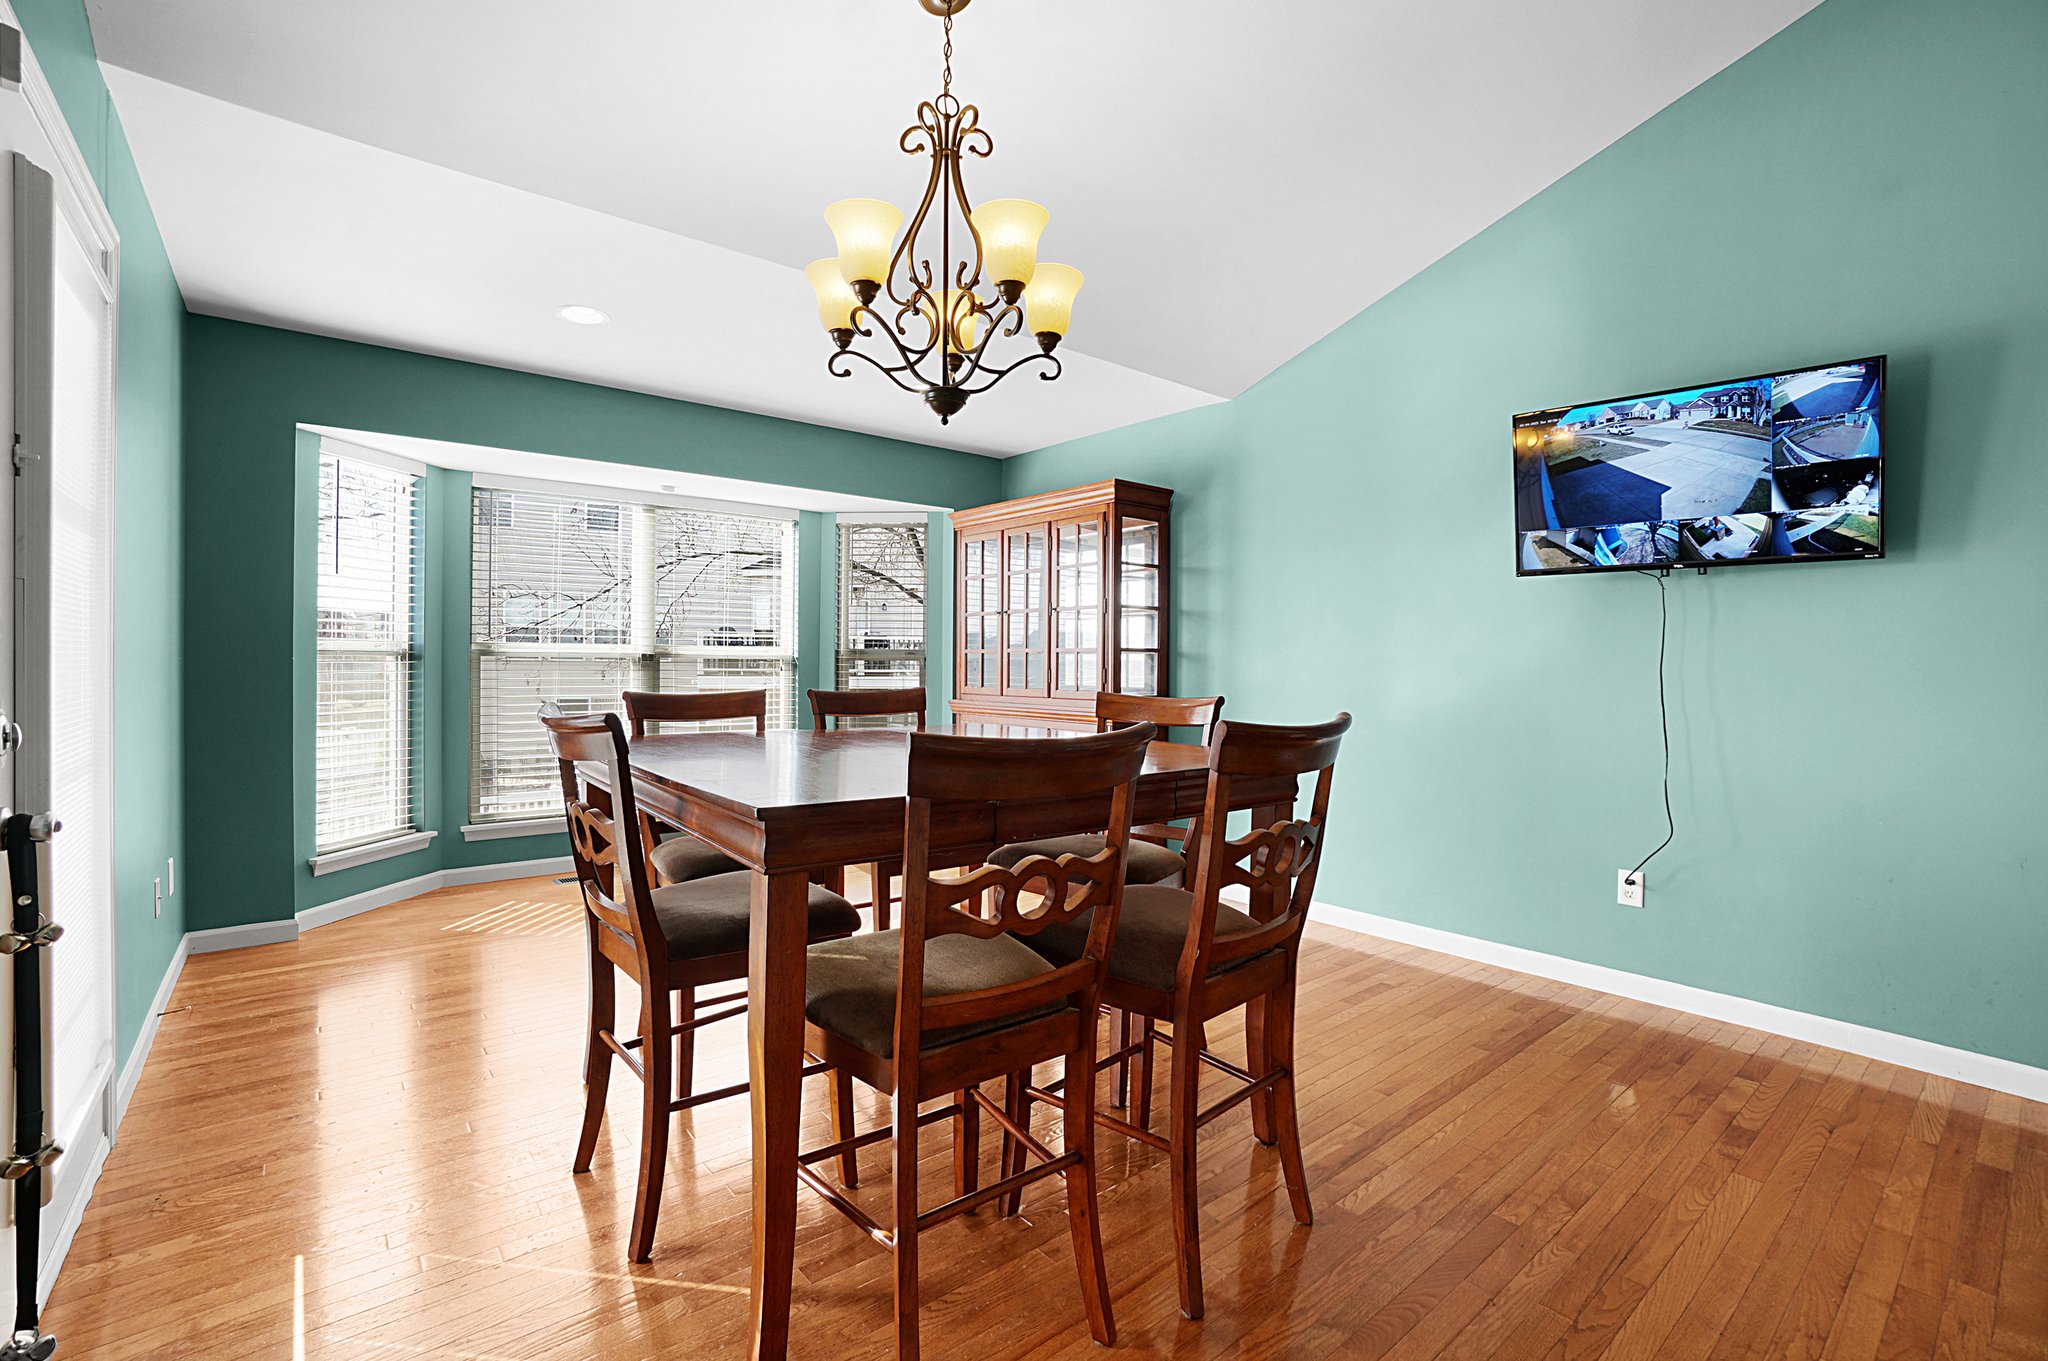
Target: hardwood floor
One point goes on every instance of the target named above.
(357, 1145)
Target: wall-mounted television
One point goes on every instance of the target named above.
(1778, 467)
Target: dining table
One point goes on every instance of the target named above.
(799, 805)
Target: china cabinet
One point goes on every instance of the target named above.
(1059, 596)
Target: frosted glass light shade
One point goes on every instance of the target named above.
(959, 305)
(1049, 299)
(1009, 230)
(835, 295)
(865, 229)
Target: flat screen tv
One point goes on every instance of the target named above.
(1780, 467)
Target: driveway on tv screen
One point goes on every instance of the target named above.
(1666, 470)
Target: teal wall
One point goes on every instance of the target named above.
(148, 597)
(1860, 783)
(248, 389)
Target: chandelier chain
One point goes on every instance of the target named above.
(947, 87)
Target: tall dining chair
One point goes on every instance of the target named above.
(681, 856)
(1186, 957)
(828, 705)
(957, 997)
(668, 941)
(1152, 860)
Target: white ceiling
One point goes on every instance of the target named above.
(1235, 179)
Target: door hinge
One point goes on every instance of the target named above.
(14, 942)
(21, 1164)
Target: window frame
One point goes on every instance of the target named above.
(639, 660)
(846, 659)
(404, 832)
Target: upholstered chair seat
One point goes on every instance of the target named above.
(683, 858)
(1149, 935)
(850, 988)
(708, 917)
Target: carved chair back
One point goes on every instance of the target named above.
(830, 704)
(1114, 711)
(1276, 865)
(656, 706)
(611, 867)
(951, 774)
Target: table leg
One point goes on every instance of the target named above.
(775, 1050)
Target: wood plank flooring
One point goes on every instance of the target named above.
(357, 1146)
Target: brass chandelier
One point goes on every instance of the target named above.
(936, 318)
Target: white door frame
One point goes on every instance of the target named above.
(33, 127)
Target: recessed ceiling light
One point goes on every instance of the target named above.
(583, 316)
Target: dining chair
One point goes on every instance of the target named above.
(1186, 957)
(681, 856)
(956, 997)
(909, 702)
(1152, 860)
(668, 941)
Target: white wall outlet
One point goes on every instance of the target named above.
(1629, 888)
(159, 897)
(171, 875)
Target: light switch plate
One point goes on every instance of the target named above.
(1628, 890)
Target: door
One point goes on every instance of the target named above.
(56, 646)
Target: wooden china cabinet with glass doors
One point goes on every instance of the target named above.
(1057, 597)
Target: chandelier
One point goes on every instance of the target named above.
(947, 289)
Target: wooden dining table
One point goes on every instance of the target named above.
(797, 805)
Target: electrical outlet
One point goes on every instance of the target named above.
(1629, 888)
(159, 897)
(171, 875)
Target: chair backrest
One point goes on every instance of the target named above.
(830, 704)
(659, 706)
(1161, 711)
(611, 867)
(948, 773)
(1276, 864)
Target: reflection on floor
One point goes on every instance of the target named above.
(357, 1146)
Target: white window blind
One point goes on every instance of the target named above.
(881, 605)
(576, 599)
(367, 659)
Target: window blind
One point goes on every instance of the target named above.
(881, 605)
(365, 641)
(575, 599)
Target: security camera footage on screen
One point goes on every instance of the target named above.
(1779, 468)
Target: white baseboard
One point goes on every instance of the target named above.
(240, 937)
(1982, 1070)
(369, 901)
(60, 1243)
(138, 1053)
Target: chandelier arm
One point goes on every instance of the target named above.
(933, 125)
(910, 354)
(834, 367)
(969, 138)
(997, 375)
(971, 361)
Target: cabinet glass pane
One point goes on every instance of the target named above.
(1140, 587)
(1141, 541)
(1141, 673)
(1141, 628)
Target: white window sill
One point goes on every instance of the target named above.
(405, 844)
(498, 831)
